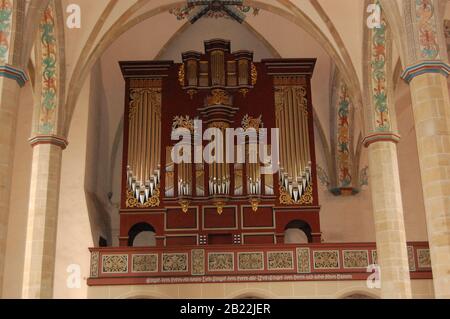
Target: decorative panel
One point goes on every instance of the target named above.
(374, 257)
(411, 261)
(423, 257)
(326, 259)
(220, 262)
(174, 262)
(251, 261)
(114, 264)
(355, 258)
(280, 260)
(198, 262)
(95, 255)
(303, 260)
(145, 263)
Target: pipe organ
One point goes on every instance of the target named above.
(233, 109)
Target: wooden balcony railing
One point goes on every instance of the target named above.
(244, 263)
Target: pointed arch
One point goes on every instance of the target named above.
(123, 24)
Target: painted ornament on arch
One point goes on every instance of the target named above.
(47, 116)
(343, 138)
(426, 23)
(6, 8)
(379, 75)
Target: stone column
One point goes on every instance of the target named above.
(388, 215)
(431, 106)
(42, 217)
(426, 71)
(381, 126)
(11, 79)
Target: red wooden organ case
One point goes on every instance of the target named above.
(218, 203)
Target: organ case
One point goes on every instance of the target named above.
(224, 90)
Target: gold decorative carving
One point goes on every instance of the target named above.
(279, 101)
(288, 81)
(218, 97)
(301, 93)
(254, 74)
(184, 205)
(252, 122)
(244, 92)
(255, 204)
(136, 96)
(183, 122)
(219, 205)
(145, 83)
(153, 201)
(181, 75)
(306, 199)
(219, 125)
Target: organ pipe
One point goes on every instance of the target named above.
(144, 143)
(295, 157)
(219, 178)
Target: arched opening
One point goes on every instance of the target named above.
(141, 235)
(297, 232)
(358, 296)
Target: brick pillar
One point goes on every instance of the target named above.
(11, 79)
(42, 217)
(431, 106)
(388, 215)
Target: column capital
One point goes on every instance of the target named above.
(13, 73)
(49, 139)
(381, 137)
(424, 67)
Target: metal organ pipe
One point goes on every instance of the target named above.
(144, 143)
(292, 119)
(219, 180)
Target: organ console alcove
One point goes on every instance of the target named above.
(199, 203)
